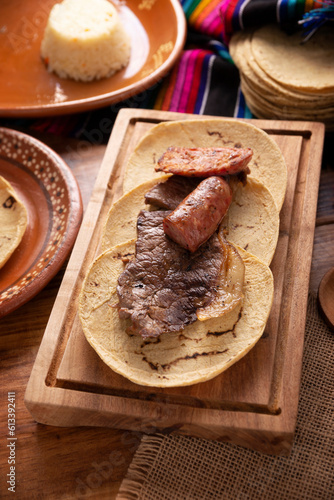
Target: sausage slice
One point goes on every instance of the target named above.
(197, 217)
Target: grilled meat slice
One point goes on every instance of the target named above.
(169, 194)
(165, 284)
(204, 162)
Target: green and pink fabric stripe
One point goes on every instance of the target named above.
(188, 84)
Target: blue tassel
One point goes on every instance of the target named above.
(315, 18)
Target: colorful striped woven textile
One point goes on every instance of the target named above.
(204, 80)
(240, 14)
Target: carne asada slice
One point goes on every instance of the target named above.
(170, 193)
(161, 289)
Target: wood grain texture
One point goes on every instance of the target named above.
(247, 403)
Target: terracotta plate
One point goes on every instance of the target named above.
(51, 195)
(157, 29)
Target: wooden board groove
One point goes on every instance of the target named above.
(254, 403)
(181, 400)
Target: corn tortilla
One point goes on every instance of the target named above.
(302, 66)
(284, 78)
(241, 52)
(13, 220)
(198, 353)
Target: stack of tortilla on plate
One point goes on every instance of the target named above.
(283, 76)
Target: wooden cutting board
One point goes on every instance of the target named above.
(254, 403)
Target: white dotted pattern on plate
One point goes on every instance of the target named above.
(36, 160)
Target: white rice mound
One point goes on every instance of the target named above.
(85, 40)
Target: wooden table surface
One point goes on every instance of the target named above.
(68, 463)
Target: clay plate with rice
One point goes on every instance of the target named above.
(157, 31)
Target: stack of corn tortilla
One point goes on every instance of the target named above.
(283, 76)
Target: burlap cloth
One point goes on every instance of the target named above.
(171, 467)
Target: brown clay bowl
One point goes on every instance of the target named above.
(52, 197)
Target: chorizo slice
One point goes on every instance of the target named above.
(197, 217)
(204, 162)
